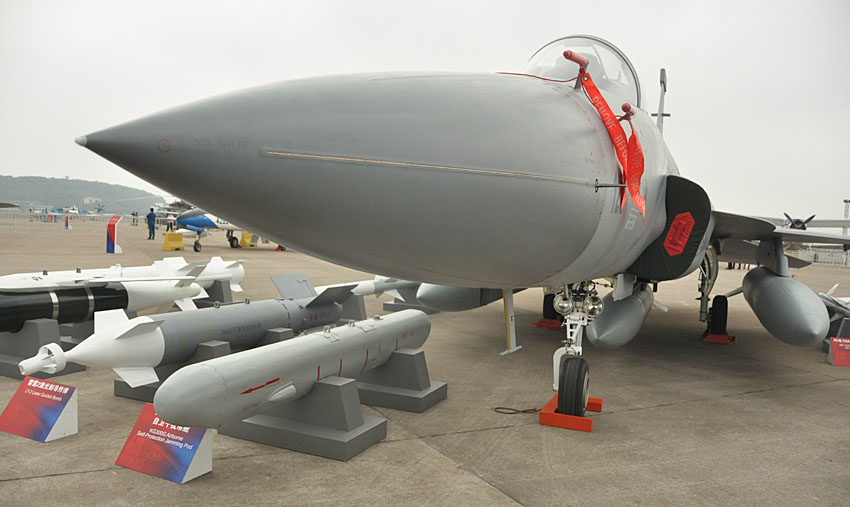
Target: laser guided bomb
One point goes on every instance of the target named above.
(788, 309)
(228, 389)
(133, 347)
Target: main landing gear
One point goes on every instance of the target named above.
(232, 240)
(579, 304)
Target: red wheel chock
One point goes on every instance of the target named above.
(548, 416)
(553, 324)
(720, 339)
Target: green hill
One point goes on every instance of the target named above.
(38, 191)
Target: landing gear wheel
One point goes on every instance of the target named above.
(573, 386)
(197, 246)
(234, 242)
(717, 316)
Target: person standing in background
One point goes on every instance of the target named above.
(151, 220)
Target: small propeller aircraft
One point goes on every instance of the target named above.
(494, 181)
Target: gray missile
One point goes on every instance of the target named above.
(621, 320)
(228, 389)
(132, 348)
(789, 310)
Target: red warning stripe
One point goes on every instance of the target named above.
(340, 368)
(270, 382)
(366, 361)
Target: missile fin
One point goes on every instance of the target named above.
(233, 264)
(202, 294)
(332, 295)
(235, 287)
(193, 269)
(830, 291)
(139, 328)
(394, 293)
(185, 304)
(137, 376)
(294, 286)
(109, 318)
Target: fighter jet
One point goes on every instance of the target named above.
(478, 180)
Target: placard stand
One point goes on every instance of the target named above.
(328, 422)
(401, 383)
(41, 410)
(176, 453)
(15, 347)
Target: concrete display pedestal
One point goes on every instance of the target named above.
(207, 350)
(219, 292)
(15, 347)
(402, 383)
(328, 422)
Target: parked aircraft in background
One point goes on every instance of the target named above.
(199, 221)
(484, 181)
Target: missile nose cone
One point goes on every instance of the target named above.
(81, 140)
(192, 397)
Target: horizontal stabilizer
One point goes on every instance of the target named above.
(109, 318)
(137, 376)
(293, 286)
(333, 295)
(139, 328)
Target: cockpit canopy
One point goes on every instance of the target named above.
(609, 67)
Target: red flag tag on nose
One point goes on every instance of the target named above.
(609, 119)
(634, 171)
(628, 150)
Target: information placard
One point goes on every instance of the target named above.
(176, 453)
(840, 351)
(41, 410)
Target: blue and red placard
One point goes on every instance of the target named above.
(176, 453)
(840, 351)
(41, 410)
(112, 235)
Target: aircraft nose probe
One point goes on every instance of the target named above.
(81, 140)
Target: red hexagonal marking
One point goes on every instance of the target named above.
(680, 231)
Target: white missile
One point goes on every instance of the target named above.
(169, 268)
(225, 390)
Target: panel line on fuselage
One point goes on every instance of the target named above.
(467, 170)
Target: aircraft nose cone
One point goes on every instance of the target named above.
(193, 396)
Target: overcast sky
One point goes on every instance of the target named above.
(759, 92)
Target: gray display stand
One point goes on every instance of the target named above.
(207, 350)
(328, 422)
(402, 383)
(219, 292)
(15, 347)
(354, 308)
(843, 331)
(397, 305)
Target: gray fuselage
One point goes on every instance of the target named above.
(477, 180)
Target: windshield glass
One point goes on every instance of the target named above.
(609, 67)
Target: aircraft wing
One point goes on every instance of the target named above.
(732, 226)
(744, 252)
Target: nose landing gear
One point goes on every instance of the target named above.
(579, 303)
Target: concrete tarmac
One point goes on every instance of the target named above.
(684, 423)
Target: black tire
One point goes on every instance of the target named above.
(718, 315)
(573, 383)
(197, 246)
(234, 242)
